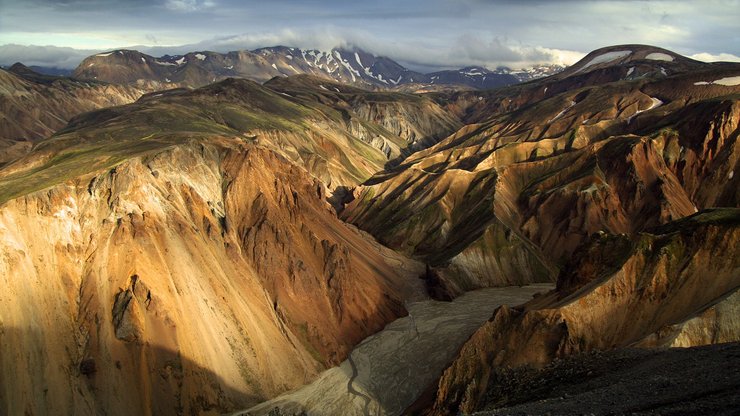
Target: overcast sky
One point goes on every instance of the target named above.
(421, 34)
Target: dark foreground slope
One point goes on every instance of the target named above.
(676, 381)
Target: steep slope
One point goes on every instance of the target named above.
(618, 291)
(33, 106)
(508, 199)
(179, 265)
(416, 119)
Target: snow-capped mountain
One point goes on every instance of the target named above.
(534, 72)
(351, 66)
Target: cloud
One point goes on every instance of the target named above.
(49, 56)
(421, 34)
(720, 57)
(188, 5)
(319, 38)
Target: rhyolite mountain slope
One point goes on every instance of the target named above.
(33, 106)
(600, 67)
(675, 285)
(320, 132)
(348, 66)
(178, 254)
(206, 276)
(418, 120)
(539, 167)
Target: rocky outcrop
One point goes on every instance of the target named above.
(650, 290)
(128, 307)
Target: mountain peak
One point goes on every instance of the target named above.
(633, 54)
(21, 69)
(30, 74)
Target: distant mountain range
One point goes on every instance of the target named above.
(355, 67)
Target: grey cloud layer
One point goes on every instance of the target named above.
(423, 34)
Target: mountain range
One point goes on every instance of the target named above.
(179, 239)
(354, 67)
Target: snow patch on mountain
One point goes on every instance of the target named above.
(727, 81)
(351, 70)
(604, 58)
(560, 114)
(472, 72)
(659, 56)
(656, 102)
